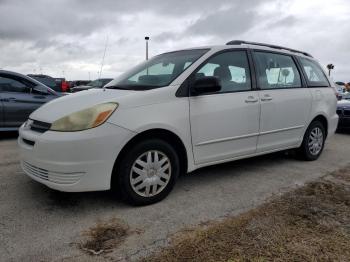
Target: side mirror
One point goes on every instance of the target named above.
(207, 84)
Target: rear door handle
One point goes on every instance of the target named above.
(251, 99)
(266, 98)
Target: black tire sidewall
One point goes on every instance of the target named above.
(305, 147)
(123, 171)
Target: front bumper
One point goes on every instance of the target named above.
(72, 161)
(344, 122)
(332, 125)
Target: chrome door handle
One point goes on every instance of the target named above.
(10, 99)
(251, 99)
(266, 98)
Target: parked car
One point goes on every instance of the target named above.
(20, 95)
(341, 90)
(62, 84)
(78, 83)
(98, 83)
(343, 111)
(57, 84)
(177, 112)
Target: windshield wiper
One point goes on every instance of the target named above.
(117, 87)
(132, 87)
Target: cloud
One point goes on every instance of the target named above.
(224, 23)
(70, 35)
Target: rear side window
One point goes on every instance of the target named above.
(314, 73)
(276, 71)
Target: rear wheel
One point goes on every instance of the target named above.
(313, 141)
(147, 172)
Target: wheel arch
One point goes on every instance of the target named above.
(323, 120)
(164, 134)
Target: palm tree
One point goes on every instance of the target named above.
(330, 67)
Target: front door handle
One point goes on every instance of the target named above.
(10, 99)
(251, 99)
(266, 97)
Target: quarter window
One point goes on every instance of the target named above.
(232, 69)
(277, 71)
(314, 73)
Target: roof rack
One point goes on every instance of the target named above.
(240, 42)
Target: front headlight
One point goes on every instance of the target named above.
(85, 119)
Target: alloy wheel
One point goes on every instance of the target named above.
(315, 142)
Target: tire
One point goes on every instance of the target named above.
(314, 135)
(147, 181)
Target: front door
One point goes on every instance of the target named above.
(225, 124)
(285, 103)
(19, 99)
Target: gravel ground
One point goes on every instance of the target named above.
(39, 224)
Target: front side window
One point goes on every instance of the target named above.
(232, 69)
(276, 71)
(157, 72)
(12, 85)
(314, 73)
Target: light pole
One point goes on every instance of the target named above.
(330, 67)
(146, 38)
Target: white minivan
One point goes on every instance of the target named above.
(177, 112)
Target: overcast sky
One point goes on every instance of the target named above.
(67, 37)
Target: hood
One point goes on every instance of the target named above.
(343, 103)
(68, 104)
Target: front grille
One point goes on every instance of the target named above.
(51, 176)
(39, 126)
(346, 112)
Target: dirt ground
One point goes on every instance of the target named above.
(311, 223)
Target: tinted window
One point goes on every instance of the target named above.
(232, 69)
(314, 73)
(12, 85)
(159, 71)
(276, 71)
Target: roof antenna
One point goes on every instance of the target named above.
(103, 60)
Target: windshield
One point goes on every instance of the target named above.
(95, 83)
(157, 72)
(99, 82)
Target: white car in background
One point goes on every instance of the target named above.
(177, 112)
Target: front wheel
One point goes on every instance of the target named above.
(313, 142)
(147, 172)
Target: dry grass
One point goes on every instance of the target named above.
(104, 237)
(311, 223)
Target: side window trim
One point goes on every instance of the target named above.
(184, 89)
(301, 72)
(258, 87)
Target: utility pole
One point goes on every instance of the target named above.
(146, 38)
